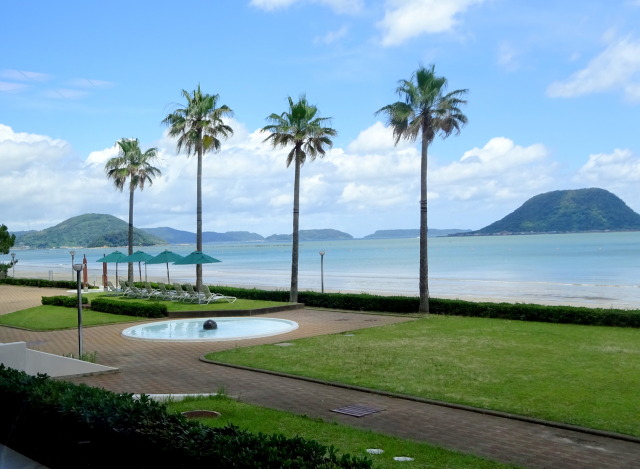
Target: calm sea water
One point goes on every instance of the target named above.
(584, 269)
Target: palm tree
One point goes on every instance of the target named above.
(134, 166)
(197, 126)
(300, 128)
(425, 111)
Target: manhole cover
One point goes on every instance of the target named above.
(357, 410)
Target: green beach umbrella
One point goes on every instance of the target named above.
(115, 256)
(139, 256)
(197, 257)
(164, 258)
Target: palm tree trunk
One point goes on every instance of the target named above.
(293, 297)
(130, 251)
(199, 219)
(424, 264)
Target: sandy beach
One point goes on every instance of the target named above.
(591, 298)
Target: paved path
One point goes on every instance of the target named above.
(176, 368)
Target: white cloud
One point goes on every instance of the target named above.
(617, 67)
(376, 138)
(22, 75)
(86, 83)
(338, 6)
(406, 19)
(331, 36)
(618, 168)
(20, 151)
(247, 185)
(499, 170)
(11, 87)
(65, 93)
(617, 172)
(508, 56)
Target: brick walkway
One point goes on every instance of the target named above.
(175, 368)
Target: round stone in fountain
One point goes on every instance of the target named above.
(193, 330)
(209, 324)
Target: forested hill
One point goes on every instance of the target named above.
(173, 236)
(89, 230)
(567, 211)
(312, 235)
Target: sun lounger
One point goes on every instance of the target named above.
(163, 293)
(210, 297)
(181, 294)
(192, 295)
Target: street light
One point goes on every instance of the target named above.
(13, 263)
(78, 269)
(73, 254)
(322, 271)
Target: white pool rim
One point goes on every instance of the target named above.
(191, 330)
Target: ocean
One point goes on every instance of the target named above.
(585, 269)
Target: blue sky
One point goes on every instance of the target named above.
(553, 101)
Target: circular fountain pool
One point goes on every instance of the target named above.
(192, 330)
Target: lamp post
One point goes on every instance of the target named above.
(73, 255)
(322, 271)
(78, 269)
(13, 263)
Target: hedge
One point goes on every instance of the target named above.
(408, 304)
(42, 283)
(67, 426)
(141, 308)
(60, 300)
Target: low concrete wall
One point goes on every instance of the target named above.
(16, 355)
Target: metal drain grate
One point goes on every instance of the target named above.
(357, 410)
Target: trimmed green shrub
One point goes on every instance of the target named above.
(38, 282)
(62, 425)
(143, 309)
(408, 304)
(61, 300)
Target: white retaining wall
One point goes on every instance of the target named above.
(16, 355)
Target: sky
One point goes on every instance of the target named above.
(553, 100)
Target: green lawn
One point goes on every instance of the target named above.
(582, 375)
(49, 318)
(346, 439)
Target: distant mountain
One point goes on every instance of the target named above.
(174, 236)
(89, 230)
(567, 211)
(312, 235)
(396, 234)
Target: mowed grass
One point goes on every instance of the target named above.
(582, 375)
(347, 440)
(49, 318)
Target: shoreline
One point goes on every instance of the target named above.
(483, 292)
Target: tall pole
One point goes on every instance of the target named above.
(78, 269)
(73, 254)
(322, 271)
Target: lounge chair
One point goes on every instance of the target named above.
(192, 295)
(152, 293)
(180, 294)
(163, 293)
(124, 287)
(111, 290)
(210, 297)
